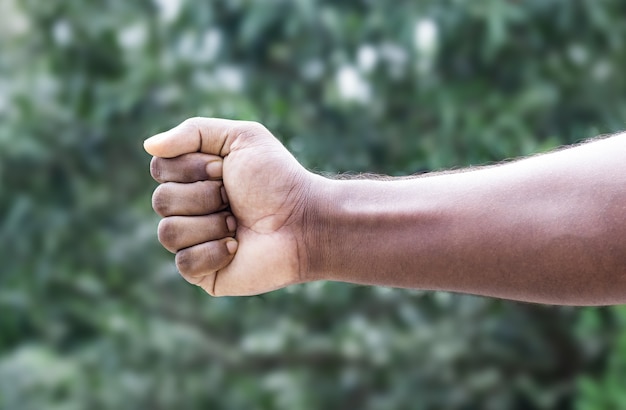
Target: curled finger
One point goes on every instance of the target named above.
(187, 168)
(205, 259)
(179, 232)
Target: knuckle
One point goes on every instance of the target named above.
(160, 202)
(184, 261)
(251, 128)
(168, 234)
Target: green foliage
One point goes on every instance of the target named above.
(607, 390)
(93, 312)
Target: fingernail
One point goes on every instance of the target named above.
(232, 246)
(224, 196)
(214, 169)
(231, 223)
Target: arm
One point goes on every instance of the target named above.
(548, 228)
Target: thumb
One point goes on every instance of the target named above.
(208, 135)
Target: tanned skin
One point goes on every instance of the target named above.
(244, 218)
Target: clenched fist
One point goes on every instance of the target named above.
(235, 205)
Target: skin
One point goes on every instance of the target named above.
(244, 217)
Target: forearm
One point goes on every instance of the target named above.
(549, 229)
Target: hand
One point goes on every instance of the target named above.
(234, 203)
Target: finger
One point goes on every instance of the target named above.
(205, 259)
(197, 198)
(186, 168)
(180, 232)
(208, 135)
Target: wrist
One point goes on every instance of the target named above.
(317, 229)
(351, 228)
(368, 231)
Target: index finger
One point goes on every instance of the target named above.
(208, 135)
(187, 168)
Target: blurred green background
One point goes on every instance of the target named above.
(92, 312)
